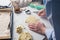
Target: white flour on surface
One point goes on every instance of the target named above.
(4, 22)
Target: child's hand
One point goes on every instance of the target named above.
(37, 27)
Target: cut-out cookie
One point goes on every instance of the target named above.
(25, 36)
(19, 29)
(31, 19)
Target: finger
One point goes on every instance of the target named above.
(35, 30)
(30, 24)
(39, 24)
(32, 27)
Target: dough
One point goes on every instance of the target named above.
(19, 29)
(31, 19)
(4, 21)
(25, 36)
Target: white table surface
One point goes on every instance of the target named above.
(19, 19)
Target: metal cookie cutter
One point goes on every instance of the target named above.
(28, 12)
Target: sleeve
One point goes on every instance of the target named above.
(50, 34)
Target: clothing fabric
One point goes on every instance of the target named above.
(49, 32)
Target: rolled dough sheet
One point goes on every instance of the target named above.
(4, 22)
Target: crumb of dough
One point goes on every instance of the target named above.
(19, 29)
(31, 19)
(25, 36)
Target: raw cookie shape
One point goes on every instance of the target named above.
(25, 36)
(19, 29)
(31, 19)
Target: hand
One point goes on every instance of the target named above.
(42, 12)
(37, 27)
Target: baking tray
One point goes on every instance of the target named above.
(9, 25)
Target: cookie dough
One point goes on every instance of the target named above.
(31, 19)
(19, 29)
(25, 36)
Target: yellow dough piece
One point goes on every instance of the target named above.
(19, 29)
(25, 36)
(31, 19)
